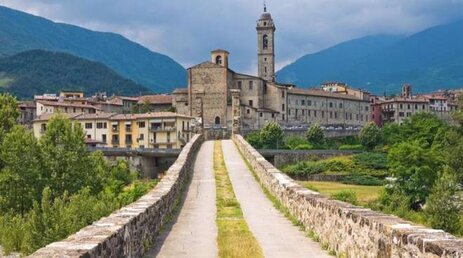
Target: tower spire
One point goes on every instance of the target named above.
(265, 6)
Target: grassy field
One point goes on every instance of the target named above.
(365, 194)
(234, 237)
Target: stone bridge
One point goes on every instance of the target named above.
(150, 162)
(144, 228)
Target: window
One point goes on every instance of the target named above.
(141, 124)
(315, 113)
(283, 117)
(408, 106)
(265, 42)
(331, 114)
(303, 112)
(282, 93)
(239, 85)
(309, 102)
(423, 107)
(409, 114)
(303, 102)
(218, 60)
(89, 136)
(416, 106)
(335, 115)
(168, 137)
(217, 120)
(103, 138)
(88, 126)
(283, 107)
(366, 108)
(261, 114)
(250, 85)
(248, 111)
(401, 106)
(273, 115)
(308, 112)
(331, 104)
(323, 114)
(142, 137)
(250, 103)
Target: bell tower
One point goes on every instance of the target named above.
(266, 46)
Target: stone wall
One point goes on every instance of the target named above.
(130, 231)
(351, 231)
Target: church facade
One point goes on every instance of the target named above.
(220, 97)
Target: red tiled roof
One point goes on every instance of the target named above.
(155, 99)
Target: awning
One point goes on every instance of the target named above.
(114, 123)
(128, 123)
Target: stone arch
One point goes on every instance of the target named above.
(217, 120)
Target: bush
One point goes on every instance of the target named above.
(370, 136)
(304, 146)
(356, 147)
(315, 135)
(372, 160)
(294, 141)
(346, 196)
(254, 140)
(271, 136)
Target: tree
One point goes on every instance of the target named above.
(370, 136)
(315, 135)
(443, 206)
(20, 178)
(271, 135)
(254, 140)
(415, 166)
(65, 157)
(8, 113)
(458, 115)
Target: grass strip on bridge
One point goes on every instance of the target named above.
(234, 237)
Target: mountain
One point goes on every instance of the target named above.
(20, 32)
(429, 60)
(37, 71)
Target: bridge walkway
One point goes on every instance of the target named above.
(275, 233)
(194, 232)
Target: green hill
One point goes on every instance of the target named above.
(20, 32)
(38, 71)
(429, 60)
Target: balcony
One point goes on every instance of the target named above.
(115, 142)
(128, 129)
(162, 129)
(115, 130)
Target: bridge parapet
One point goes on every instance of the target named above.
(130, 231)
(349, 230)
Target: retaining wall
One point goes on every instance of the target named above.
(132, 230)
(349, 230)
(283, 157)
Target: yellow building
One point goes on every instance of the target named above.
(164, 130)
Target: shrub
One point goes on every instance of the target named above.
(346, 196)
(370, 136)
(358, 147)
(443, 206)
(337, 164)
(254, 140)
(271, 136)
(315, 135)
(304, 146)
(372, 160)
(294, 141)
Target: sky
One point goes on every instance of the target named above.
(187, 30)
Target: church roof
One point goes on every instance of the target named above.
(207, 64)
(266, 16)
(219, 50)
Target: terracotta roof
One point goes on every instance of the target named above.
(48, 116)
(155, 99)
(95, 116)
(322, 93)
(180, 91)
(62, 104)
(405, 100)
(219, 50)
(207, 64)
(147, 115)
(27, 104)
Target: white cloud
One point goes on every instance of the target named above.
(188, 30)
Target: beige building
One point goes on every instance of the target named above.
(164, 130)
(208, 97)
(51, 107)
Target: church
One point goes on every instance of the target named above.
(219, 97)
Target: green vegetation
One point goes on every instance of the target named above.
(365, 168)
(234, 237)
(363, 194)
(370, 136)
(39, 71)
(346, 196)
(5, 82)
(52, 187)
(315, 135)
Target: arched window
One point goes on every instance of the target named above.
(217, 120)
(265, 41)
(218, 60)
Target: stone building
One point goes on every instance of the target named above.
(261, 98)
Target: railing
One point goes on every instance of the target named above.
(115, 130)
(162, 129)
